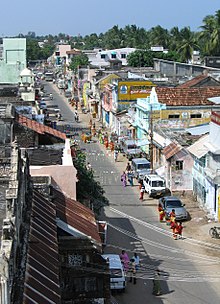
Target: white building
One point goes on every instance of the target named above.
(206, 169)
(103, 58)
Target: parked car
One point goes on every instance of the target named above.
(42, 105)
(117, 275)
(172, 202)
(140, 167)
(53, 107)
(154, 185)
(130, 149)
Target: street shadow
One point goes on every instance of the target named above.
(121, 235)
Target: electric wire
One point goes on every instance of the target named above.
(165, 232)
(164, 247)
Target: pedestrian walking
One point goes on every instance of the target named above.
(128, 167)
(125, 260)
(172, 218)
(175, 230)
(180, 230)
(132, 271)
(156, 284)
(142, 193)
(124, 179)
(130, 176)
(161, 213)
(115, 155)
(136, 260)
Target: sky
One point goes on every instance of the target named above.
(97, 16)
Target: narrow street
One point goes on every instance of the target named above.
(189, 275)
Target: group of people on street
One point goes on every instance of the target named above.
(127, 175)
(171, 221)
(130, 266)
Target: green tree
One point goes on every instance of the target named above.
(113, 38)
(135, 37)
(210, 35)
(187, 44)
(159, 37)
(175, 38)
(92, 41)
(87, 188)
(140, 58)
(78, 60)
(33, 49)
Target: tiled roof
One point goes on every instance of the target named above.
(39, 128)
(187, 96)
(76, 215)
(192, 82)
(42, 270)
(171, 150)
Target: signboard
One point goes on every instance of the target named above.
(131, 90)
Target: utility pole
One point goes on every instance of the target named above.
(151, 140)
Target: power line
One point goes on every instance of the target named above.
(193, 242)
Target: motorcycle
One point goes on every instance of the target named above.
(214, 232)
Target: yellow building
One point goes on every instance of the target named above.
(187, 106)
(130, 90)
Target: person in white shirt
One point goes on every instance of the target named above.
(136, 260)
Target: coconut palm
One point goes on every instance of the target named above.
(159, 36)
(187, 44)
(210, 34)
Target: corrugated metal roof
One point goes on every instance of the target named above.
(198, 148)
(39, 128)
(76, 215)
(171, 150)
(42, 269)
(199, 130)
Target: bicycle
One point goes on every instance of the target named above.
(213, 232)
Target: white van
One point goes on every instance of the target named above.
(154, 184)
(117, 275)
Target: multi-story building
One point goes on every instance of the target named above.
(12, 60)
(206, 168)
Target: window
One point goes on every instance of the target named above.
(113, 56)
(196, 115)
(179, 165)
(123, 56)
(173, 116)
(57, 53)
(102, 56)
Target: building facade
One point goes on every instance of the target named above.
(13, 60)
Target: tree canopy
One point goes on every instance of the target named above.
(180, 43)
(78, 60)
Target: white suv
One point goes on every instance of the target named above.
(154, 184)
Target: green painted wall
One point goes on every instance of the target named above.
(13, 61)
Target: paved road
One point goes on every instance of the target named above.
(133, 225)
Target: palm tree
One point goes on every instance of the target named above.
(187, 44)
(210, 34)
(175, 38)
(159, 36)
